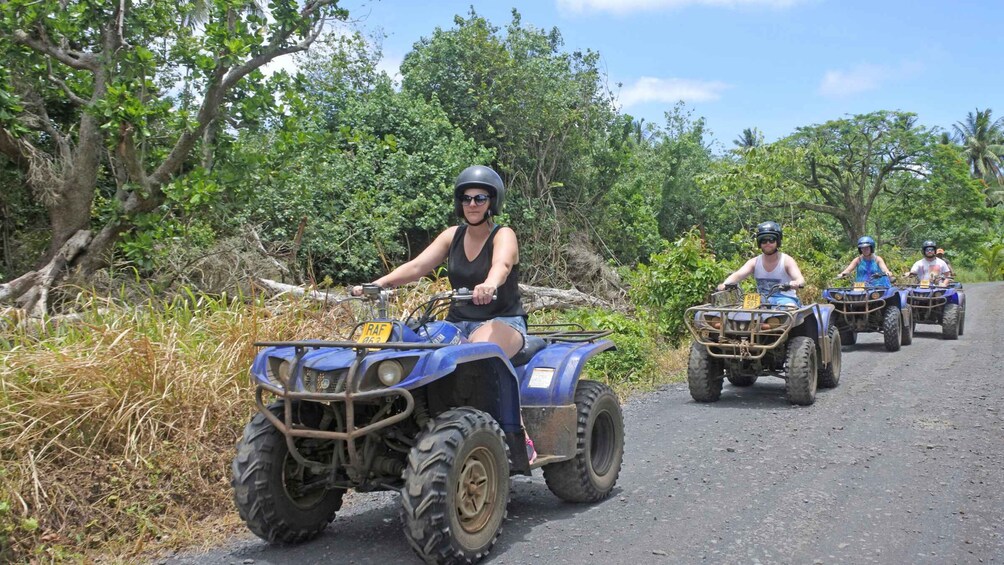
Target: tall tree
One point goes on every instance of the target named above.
(982, 140)
(542, 110)
(851, 161)
(111, 101)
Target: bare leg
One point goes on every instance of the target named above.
(510, 340)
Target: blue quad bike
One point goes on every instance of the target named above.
(741, 337)
(864, 307)
(411, 406)
(937, 304)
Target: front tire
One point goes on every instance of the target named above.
(802, 371)
(892, 324)
(279, 499)
(456, 487)
(829, 375)
(908, 329)
(599, 451)
(950, 322)
(705, 374)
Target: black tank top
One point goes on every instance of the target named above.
(469, 274)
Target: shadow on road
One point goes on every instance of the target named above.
(375, 536)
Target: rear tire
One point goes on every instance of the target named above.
(908, 329)
(829, 375)
(950, 322)
(962, 321)
(599, 451)
(456, 487)
(891, 326)
(705, 374)
(279, 499)
(802, 371)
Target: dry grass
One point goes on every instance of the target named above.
(117, 429)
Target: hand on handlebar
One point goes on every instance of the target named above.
(484, 293)
(841, 275)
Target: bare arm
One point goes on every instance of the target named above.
(426, 261)
(741, 274)
(504, 255)
(881, 264)
(849, 268)
(791, 267)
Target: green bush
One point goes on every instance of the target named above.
(674, 280)
(634, 360)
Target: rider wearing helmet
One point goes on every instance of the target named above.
(930, 265)
(940, 254)
(480, 255)
(867, 265)
(771, 267)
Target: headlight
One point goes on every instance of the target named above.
(876, 295)
(771, 323)
(278, 369)
(838, 296)
(390, 372)
(939, 293)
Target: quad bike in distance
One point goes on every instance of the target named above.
(742, 337)
(939, 301)
(409, 405)
(864, 307)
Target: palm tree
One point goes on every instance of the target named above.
(750, 138)
(982, 140)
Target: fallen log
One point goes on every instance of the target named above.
(534, 297)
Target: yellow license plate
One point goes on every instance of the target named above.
(751, 301)
(925, 283)
(859, 286)
(376, 332)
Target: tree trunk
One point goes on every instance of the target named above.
(30, 291)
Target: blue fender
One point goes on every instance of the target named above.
(550, 378)
(490, 363)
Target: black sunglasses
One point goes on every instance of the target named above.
(477, 199)
(767, 240)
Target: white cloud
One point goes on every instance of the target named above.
(628, 6)
(863, 78)
(671, 90)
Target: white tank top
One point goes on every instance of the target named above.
(766, 279)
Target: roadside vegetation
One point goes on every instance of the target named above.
(140, 205)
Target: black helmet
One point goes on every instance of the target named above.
(929, 243)
(866, 241)
(479, 176)
(768, 229)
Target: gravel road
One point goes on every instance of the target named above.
(901, 463)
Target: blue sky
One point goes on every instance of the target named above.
(770, 64)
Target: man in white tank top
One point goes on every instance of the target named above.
(770, 268)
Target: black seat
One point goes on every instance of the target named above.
(532, 346)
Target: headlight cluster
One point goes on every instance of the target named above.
(939, 293)
(838, 296)
(876, 295)
(278, 370)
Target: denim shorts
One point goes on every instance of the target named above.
(517, 323)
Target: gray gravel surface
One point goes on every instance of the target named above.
(901, 463)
